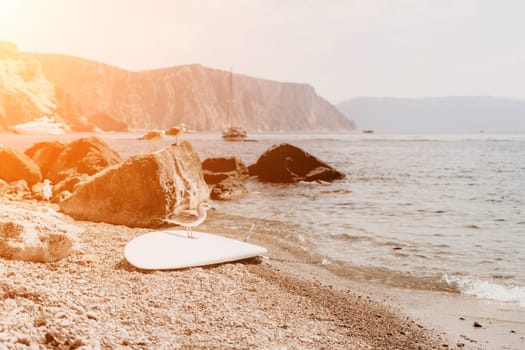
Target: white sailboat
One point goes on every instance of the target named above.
(234, 132)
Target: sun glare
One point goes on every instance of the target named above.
(8, 9)
(7, 6)
(18, 18)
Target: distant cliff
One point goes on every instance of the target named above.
(193, 94)
(25, 93)
(460, 114)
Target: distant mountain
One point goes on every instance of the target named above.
(462, 114)
(193, 94)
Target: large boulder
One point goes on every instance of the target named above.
(141, 191)
(286, 163)
(83, 156)
(45, 154)
(39, 235)
(221, 168)
(15, 165)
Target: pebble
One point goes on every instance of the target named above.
(40, 321)
(477, 324)
(60, 314)
(77, 343)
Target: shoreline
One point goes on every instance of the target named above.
(289, 263)
(95, 298)
(448, 314)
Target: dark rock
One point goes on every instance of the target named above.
(141, 191)
(68, 184)
(218, 169)
(50, 339)
(45, 154)
(15, 165)
(477, 324)
(215, 178)
(323, 173)
(83, 156)
(288, 164)
(229, 188)
(153, 135)
(224, 164)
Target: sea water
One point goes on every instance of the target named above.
(422, 211)
(443, 212)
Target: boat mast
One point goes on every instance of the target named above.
(230, 104)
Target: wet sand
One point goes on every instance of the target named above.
(95, 299)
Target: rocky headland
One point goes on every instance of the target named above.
(195, 95)
(91, 96)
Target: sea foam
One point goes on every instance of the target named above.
(488, 289)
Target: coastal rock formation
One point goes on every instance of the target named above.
(45, 154)
(90, 96)
(227, 174)
(141, 191)
(15, 165)
(193, 94)
(40, 236)
(218, 169)
(287, 164)
(25, 93)
(83, 156)
(153, 135)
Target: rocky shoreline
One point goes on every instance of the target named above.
(86, 295)
(94, 299)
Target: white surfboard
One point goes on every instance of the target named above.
(172, 249)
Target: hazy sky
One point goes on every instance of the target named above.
(405, 48)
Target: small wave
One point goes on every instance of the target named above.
(336, 191)
(390, 277)
(487, 290)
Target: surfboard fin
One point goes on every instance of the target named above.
(250, 231)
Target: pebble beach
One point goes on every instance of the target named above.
(94, 299)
